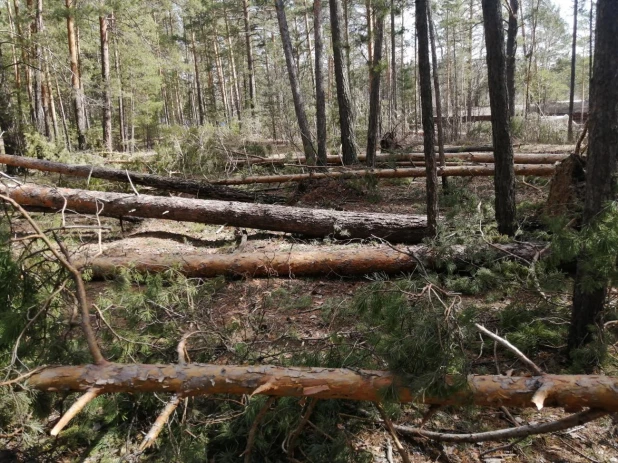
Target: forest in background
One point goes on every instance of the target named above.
(215, 246)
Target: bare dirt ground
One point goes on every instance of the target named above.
(293, 315)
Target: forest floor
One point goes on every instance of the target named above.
(280, 316)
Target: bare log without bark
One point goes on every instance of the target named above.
(569, 391)
(194, 187)
(540, 170)
(520, 158)
(345, 262)
(309, 222)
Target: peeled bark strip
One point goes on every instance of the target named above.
(348, 261)
(540, 170)
(200, 189)
(309, 222)
(568, 391)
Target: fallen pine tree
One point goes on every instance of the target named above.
(345, 262)
(309, 222)
(519, 158)
(541, 170)
(572, 392)
(195, 187)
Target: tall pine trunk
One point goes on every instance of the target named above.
(427, 115)
(78, 95)
(344, 100)
(573, 61)
(590, 288)
(320, 101)
(504, 178)
(511, 51)
(436, 86)
(299, 104)
(106, 83)
(374, 86)
(249, 50)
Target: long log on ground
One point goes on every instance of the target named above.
(309, 222)
(568, 391)
(195, 187)
(344, 262)
(540, 170)
(520, 158)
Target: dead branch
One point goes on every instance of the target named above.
(299, 428)
(512, 348)
(77, 407)
(157, 427)
(254, 427)
(389, 426)
(510, 433)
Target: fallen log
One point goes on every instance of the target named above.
(568, 391)
(345, 262)
(194, 187)
(541, 170)
(317, 223)
(519, 158)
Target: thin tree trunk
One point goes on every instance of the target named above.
(436, 86)
(21, 40)
(427, 110)
(374, 86)
(198, 83)
(250, 70)
(309, 47)
(320, 101)
(504, 180)
(590, 287)
(299, 104)
(511, 53)
(65, 127)
(344, 99)
(78, 96)
(232, 60)
(38, 84)
(393, 59)
(470, 26)
(573, 66)
(106, 83)
(220, 78)
(121, 114)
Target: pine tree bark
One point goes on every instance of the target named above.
(316, 223)
(320, 98)
(374, 87)
(250, 70)
(511, 53)
(299, 104)
(346, 111)
(504, 179)
(106, 83)
(427, 115)
(436, 86)
(78, 95)
(601, 169)
(198, 82)
(573, 63)
(40, 116)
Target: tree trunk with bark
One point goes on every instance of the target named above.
(564, 391)
(375, 70)
(601, 166)
(299, 104)
(106, 83)
(504, 179)
(199, 188)
(317, 223)
(347, 261)
(346, 111)
(511, 53)
(78, 94)
(436, 86)
(320, 97)
(427, 115)
(249, 49)
(573, 63)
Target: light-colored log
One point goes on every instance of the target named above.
(540, 170)
(568, 391)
